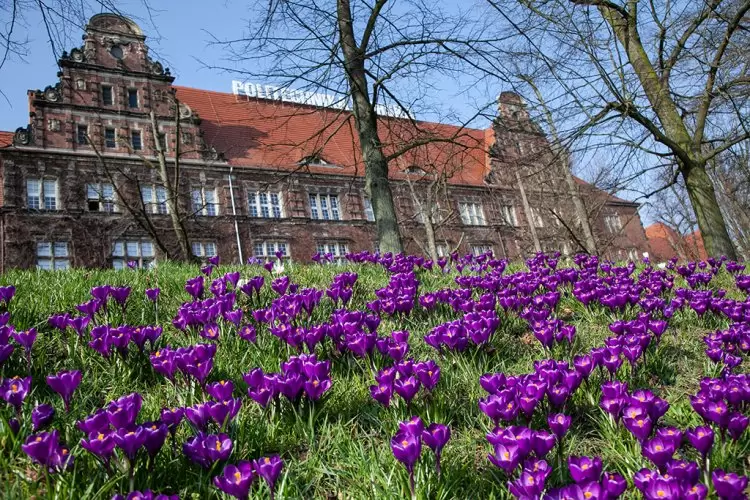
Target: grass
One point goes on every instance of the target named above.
(341, 449)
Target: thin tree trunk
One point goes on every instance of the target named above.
(377, 185)
(172, 200)
(527, 211)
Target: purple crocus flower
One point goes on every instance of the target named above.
(153, 294)
(223, 412)
(14, 391)
(269, 469)
(559, 423)
(505, 457)
(5, 351)
(45, 449)
(123, 411)
(728, 485)
(7, 293)
(701, 438)
(613, 484)
(585, 469)
(737, 425)
(96, 422)
(65, 383)
(220, 391)
(658, 451)
(407, 448)
(101, 444)
(155, 434)
(406, 388)
(41, 416)
(235, 480)
(130, 441)
(436, 436)
(661, 487)
(382, 393)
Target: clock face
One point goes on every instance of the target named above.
(116, 52)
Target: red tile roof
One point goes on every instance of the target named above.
(667, 243)
(271, 134)
(277, 135)
(6, 138)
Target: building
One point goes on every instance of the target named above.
(260, 174)
(666, 243)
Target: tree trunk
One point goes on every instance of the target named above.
(172, 200)
(710, 219)
(377, 185)
(527, 211)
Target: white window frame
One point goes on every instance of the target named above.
(266, 249)
(203, 249)
(46, 197)
(508, 213)
(613, 222)
(140, 251)
(471, 213)
(536, 217)
(154, 198)
(442, 249)
(337, 248)
(202, 204)
(265, 204)
(369, 212)
(97, 192)
(480, 249)
(52, 255)
(324, 206)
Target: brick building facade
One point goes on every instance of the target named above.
(259, 175)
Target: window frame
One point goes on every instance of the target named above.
(110, 142)
(53, 258)
(612, 226)
(106, 204)
(484, 247)
(203, 207)
(82, 139)
(203, 246)
(255, 206)
(369, 211)
(472, 213)
(120, 261)
(275, 245)
(508, 214)
(536, 217)
(322, 208)
(340, 248)
(111, 95)
(133, 92)
(42, 197)
(139, 134)
(154, 205)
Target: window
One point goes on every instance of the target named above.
(613, 223)
(566, 248)
(107, 95)
(52, 255)
(477, 250)
(109, 138)
(536, 216)
(41, 194)
(633, 254)
(471, 214)
(139, 251)
(264, 204)
(266, 249)
(508, 213)
(442, 250)
(82, 133)
(369, 213)
(132, 98)
(324, 206)
(187, 138)
(135, 140)
(316, 161)
(204, 202)
(338, 249)
(53, 125)
(162, 138)
(101, 197)
(204, 248)
(436, 212)
(155, 199)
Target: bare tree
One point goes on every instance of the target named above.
(662, 78)
(376, 57)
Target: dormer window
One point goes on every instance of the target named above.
(414, 170)
(316, 161)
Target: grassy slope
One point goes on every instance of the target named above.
(345, 451)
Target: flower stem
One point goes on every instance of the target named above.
(411, 484)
